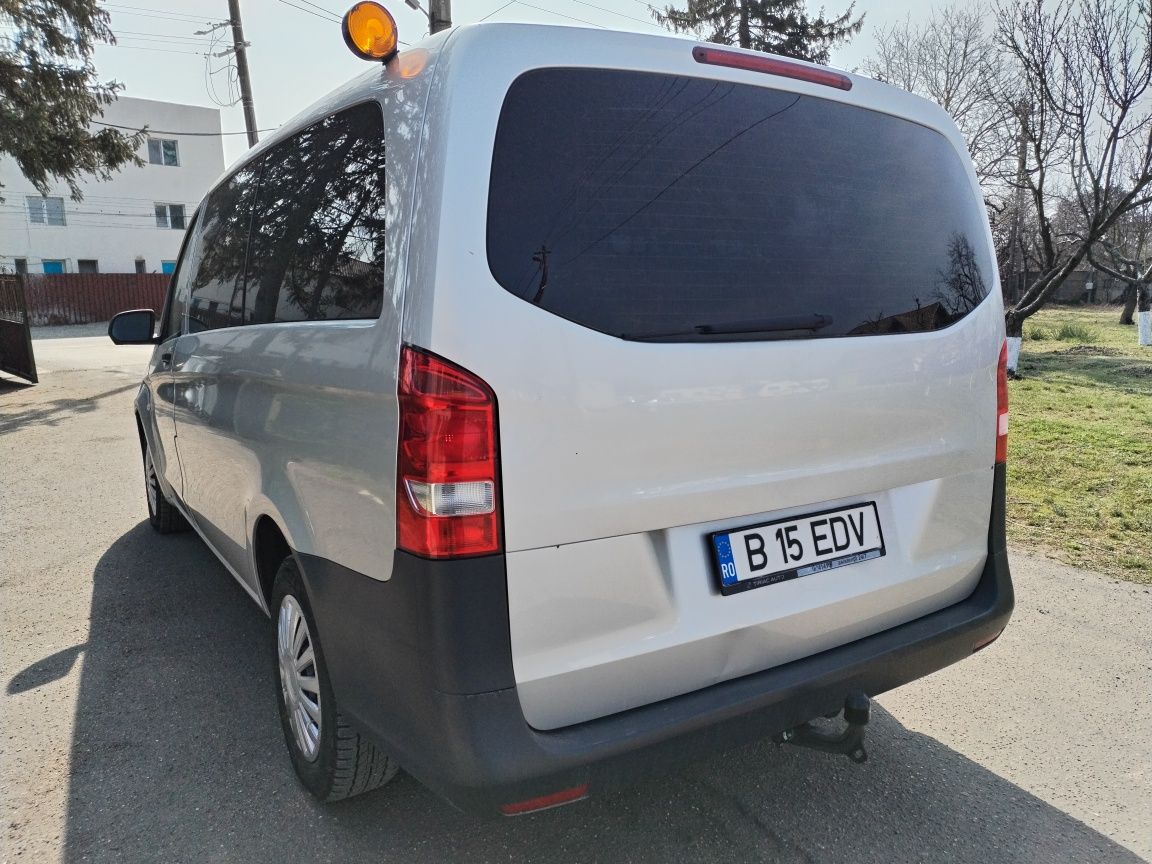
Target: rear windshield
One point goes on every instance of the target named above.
(657, 207)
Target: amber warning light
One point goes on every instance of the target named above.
(370, 32)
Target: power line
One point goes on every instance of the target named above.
(210, 73)
(321, 8)
(553, 12)
(130, 41)
(170, 132)
(153, 12)
(136, 33)
(650, 23)
(145, 214)
(159, 17)
(144, 48)
(501, 9)
(115, 200)
(330, 17)
(334, 18)
(680, 177)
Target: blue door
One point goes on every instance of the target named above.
(53, 266)
(168, 267)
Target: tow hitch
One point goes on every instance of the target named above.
(850, 742)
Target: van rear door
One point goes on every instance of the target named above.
(710, 301)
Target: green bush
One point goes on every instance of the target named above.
(1039, 334)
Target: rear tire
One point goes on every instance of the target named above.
(162, 513)
(332, 759)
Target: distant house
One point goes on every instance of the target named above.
(1085, 284)
(930, 317)
(131, 223)
(1075, 289)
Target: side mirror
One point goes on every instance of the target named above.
(135, 327)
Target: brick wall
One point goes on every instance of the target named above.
(85, 298)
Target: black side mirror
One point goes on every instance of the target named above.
(135, 327)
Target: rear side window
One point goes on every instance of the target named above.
(659, 207)
(215, 255)
(317, 243)
(180, 287)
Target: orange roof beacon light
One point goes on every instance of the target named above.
(370, 32)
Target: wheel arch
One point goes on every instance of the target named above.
(140, 431)
(270, 546)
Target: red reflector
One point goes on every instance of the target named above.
(447, 491)
(564, 796)
(1002, 406)
(772, 66)
(986, 641)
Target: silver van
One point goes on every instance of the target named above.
(578, 402)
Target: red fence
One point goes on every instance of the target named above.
(85, 298)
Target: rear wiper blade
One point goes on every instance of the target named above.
(780, 324)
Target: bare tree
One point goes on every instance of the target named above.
(1125, 254)
(953, 59)
(1081, 101)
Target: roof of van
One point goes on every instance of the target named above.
(541, 45)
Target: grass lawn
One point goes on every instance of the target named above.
(1080, 442)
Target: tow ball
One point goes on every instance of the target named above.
(849, 742)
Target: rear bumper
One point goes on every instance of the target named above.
(423, 664)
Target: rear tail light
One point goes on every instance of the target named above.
(1002, 406)
(447, 495)
(772, 66)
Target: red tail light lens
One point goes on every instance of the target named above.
(447, 495)
(1002, 406)
(772, 66)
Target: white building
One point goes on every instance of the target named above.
(132, 222)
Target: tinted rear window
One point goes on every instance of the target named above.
(317, 239)
(650, 206)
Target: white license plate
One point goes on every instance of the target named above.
(791, 548)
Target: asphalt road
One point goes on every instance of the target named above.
(138, 720)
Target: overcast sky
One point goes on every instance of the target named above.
(297, 54)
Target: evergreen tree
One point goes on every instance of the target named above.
(49, 93)
(776, 26)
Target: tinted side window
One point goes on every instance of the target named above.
(180, 286)
(218, 253)
(317, 244)
(650, 206)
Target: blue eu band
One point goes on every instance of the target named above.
(723, 548)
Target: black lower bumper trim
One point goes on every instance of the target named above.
(423, 664)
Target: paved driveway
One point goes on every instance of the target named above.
(138, 719)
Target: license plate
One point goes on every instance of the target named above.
(800, 546)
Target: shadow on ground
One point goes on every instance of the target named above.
(177, 757)
(1100, 365)
(51, 412)
(12, 385)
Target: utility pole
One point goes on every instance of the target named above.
(439, 15)
(239, 46)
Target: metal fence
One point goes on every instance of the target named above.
(87, 298)
(16, 357)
